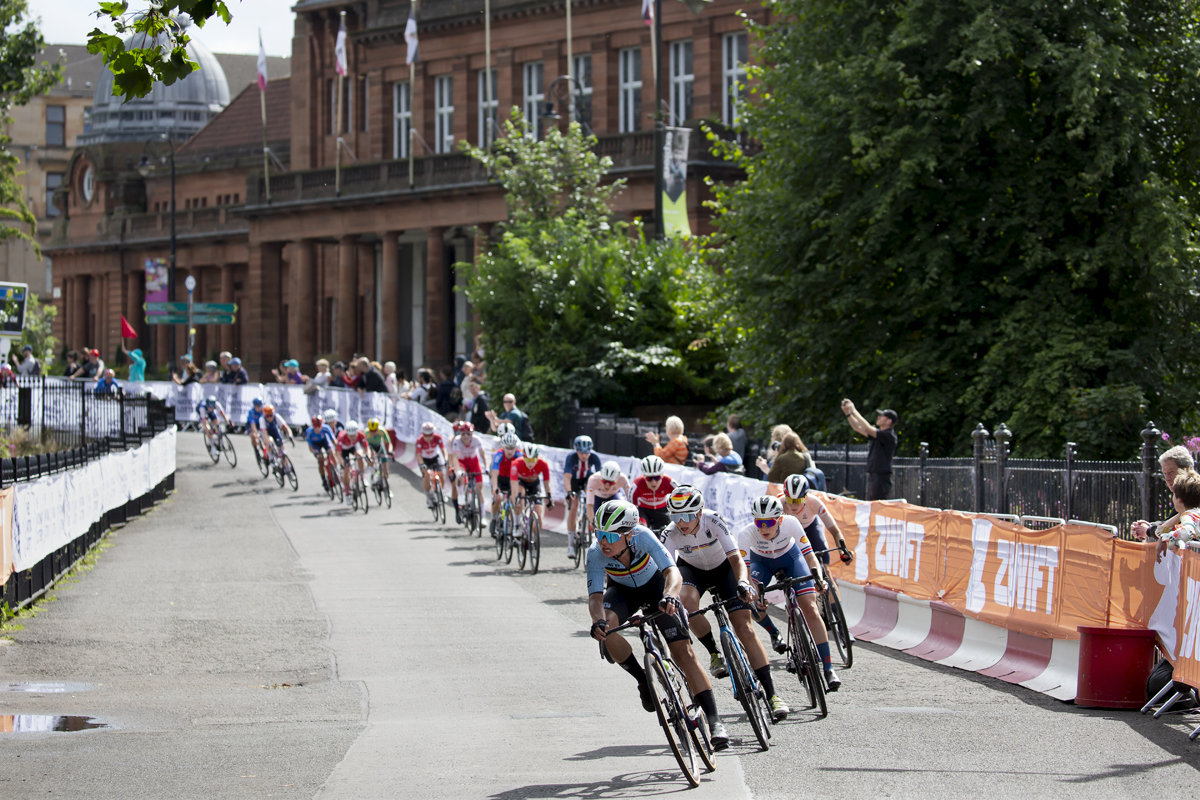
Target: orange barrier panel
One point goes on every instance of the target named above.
(1187, 621)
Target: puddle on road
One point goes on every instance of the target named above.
(42, 723)
(46, 688)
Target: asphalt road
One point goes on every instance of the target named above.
(245, 641)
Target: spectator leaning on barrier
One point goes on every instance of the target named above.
(187, 371)
(210, 373)
(370, 379)
(733, 427)
(881, 447)
(26, 364)
(240, 376)
(108, 383)
(72, 363)
(1173, 463)
(791, 460)
(1185, 498)
(675, 449)
(227, 373)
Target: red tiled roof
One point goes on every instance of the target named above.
(240, 123)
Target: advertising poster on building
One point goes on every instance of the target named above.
(157, 276)
(674, 201)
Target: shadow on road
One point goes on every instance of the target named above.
(633, 784)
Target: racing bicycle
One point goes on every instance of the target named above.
(802, 648)
(439, 501)
(746, 686)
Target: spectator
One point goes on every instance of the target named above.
(338, 376)
(1185, 498)
(675, 451)
(240, 376)
(881, 447)
(289, 372)
(447, 403)
(7, 376)
(792, 460)
(72, 363)
(323, 376)
(397, 382)
(424, 391)
(1173, 463)
(371, 379)
(459, 360)
(108, 383)
(480, 370)
(92, 369)
(518, 418)
(188, 373)
(723, 459)
(350, 377)
(468, 371)
(228, 374)
(26, 364)
(733, 427)
(137, 363)
(210, 373)
(479, 408)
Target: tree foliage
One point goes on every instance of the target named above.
(971, 210)
(38, 331)
(23, 75)
(575, 307)
(157, 50)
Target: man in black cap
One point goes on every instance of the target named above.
(881, 446)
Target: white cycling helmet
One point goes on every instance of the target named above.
(530, 450)
(653, 467)
(351, 427)
(428, 428)
(795, 487)
(611, 471)
(766, 507)
(686, 499)
(509, 441)
(616, 516)
(330, 415)
(505, 427)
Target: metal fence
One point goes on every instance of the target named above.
(74, 413)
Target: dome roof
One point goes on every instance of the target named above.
(178, 110)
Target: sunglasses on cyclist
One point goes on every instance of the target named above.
(611, 537)
(765, 523)
(797, 502)
(653, 478)
(530, 461)
(683, 517)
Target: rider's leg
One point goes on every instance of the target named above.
(700, 625)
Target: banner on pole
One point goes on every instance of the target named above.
(674, 182)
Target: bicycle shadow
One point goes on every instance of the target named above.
(630, 784)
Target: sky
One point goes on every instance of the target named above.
(70, 21)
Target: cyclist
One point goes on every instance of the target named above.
(432, 452)
(351, 443)
(252, 419)
(379, 445)
(467, 453)
(641, 573)
(502, 462)
(321, 441)
(274, 426)
(607, 484)
(813, 516)
(528, 475)
(650, 493)
(211, 413)
(709, 560)
(331, 419)
(580, 465)
(775, 543)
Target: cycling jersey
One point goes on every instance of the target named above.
(521, 471)
(271, 428)
(581, 468)
(752, 542)
(502, 464)
(811, 509)
(254, 417)
(319, 439)
(431, 447)
(708, 548)
(348, 442)
(468, 455)
(377, 439)
(210, 412)
(648, 558)
(643, 497)
(597, 492)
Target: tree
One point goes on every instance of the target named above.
(971, 210)
(21, 77)
(37, 332)
(574, 307)
(160, 52)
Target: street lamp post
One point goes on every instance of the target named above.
(145, 169)
(660, 230)
(573, 109)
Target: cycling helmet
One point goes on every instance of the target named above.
(530, 451)
(766, 507)
(373, 424)
(351, 427)
(505, 427)
(509, 441)
(611, 471)
(427, 428)
(268, 410)
(653, 467)
(616, 516)
(583, 444)
(466, 427)
(256, 402)
(795, 487)
(108, 373)
(211, 400)
(316, 422)
(686, 499)
(457, 427)
(330, 416)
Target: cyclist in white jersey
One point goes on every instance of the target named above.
(466, 453)
(709, 560)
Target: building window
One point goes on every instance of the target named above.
(630, 87)
(364, 103)
(87, 119)
(734, 55)
(402, 122)
(53, 181)
(533, 93)
(443, 105)
(166, 114)
(682, 82)
(583, 92)
(489, 109)
(347, 106)
(56, 126)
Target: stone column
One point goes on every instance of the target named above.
(302, 313)
(226, 335)
(347, 297)
(83, 334)
(390, 289)
(134, 292)
(263, 309)
(436, 345)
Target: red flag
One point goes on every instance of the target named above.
(127, 331)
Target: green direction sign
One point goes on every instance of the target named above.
(197, 308)
(197, 319)
(166, 319)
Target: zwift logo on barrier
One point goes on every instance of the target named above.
(1025, 570)
(1189, 645)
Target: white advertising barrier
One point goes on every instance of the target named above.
(51, 512)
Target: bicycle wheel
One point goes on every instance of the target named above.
(363, 497)
(227, 450)
(535, 544)
(277, 467)
(580, 547)
(440, 497)
(500, 534)
(702, 737)
(214, 448)
(510, 524)
(477, 514)
(522, 544)
(385, 490)
(673, 717)
(805, 659)
(289, 472)
(817, 673)
(375, 490)
(264, 466)
(839, 631)
(743, 687)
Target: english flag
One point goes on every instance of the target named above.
(648, 12)
(410, 35)
(127, 331)
(262, 64)
(340, 49)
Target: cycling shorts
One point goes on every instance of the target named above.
(434, 464)
(321, 444)
(468, 465)
(721, 582)
(346, 454)
(791, 564)
(504, 484)
(656, 518)
(625, 600)
(598, 501)
(816, 537)
(578, 484)
(531, 488)
(379, 450)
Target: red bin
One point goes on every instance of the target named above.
(1114, 664)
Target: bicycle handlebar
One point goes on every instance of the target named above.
(638, 620)
(786, 583)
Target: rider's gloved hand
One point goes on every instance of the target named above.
(847, 556)
(599, 628)
(669, 604)
(745, 591)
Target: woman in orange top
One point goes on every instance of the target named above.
(676, 449)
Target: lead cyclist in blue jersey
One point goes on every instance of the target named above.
(211, 412)
(253, 418)
(642, 573)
